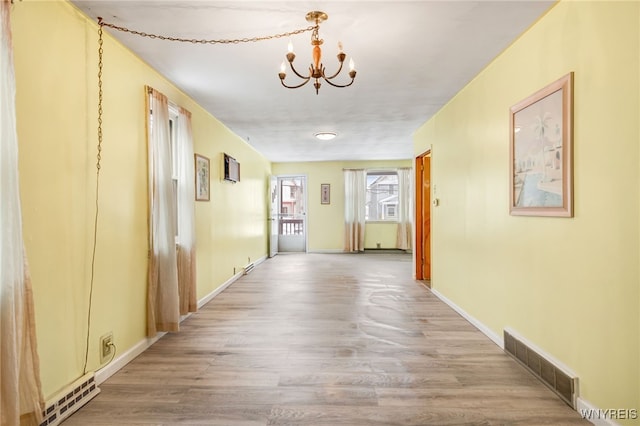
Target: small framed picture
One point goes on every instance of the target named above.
(325, 193)
(202, 173)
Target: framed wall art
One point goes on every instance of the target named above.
(325, 193)
(541, 152)
(202, 177)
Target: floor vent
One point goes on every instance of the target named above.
(563, 384)
(69, 400)
(248, 268)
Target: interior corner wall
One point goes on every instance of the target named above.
(55, 50)
(326, 221)
(569, 285)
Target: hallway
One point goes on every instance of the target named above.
(325, 339)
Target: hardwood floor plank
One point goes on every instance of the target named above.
(325, 339)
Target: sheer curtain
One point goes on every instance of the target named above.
(355, 193)
(163, 312)
(405, 211)
(186, 215)
(21, 400)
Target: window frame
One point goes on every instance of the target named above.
(381, 172)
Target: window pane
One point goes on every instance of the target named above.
(382, 196)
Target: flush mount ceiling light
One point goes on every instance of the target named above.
(325, 136)
(316, 69)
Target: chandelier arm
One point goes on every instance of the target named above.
(307, 79)
(297, 73)
(339, 85)
(336, 74)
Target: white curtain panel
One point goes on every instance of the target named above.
(163, 301)
(405, 209)
(186, 215)
(21, 400)
(355, 190)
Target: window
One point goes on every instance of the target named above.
(390, 211)
(173, 140)
(382, 196)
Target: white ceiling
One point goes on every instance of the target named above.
(411, 58)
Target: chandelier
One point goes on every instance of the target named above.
(316, 69)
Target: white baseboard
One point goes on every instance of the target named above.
(477, 324)
(584, 408)
(206, 299)
(114, 366)
(559, 364)
(218, 290)
(329, 251)
(119, 362)
(597, 417)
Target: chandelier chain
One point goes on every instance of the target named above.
(207, 41)
(97, 197)
(100, 65)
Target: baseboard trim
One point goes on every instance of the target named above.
(559, 364)
(583, 407)
(497, 339)
(119, 362)
(593, 414)
(206, 299)
(327, 251)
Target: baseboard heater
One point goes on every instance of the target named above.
(248, 268)
(565, 385)
(69, 400)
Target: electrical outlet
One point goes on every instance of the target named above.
(106, 347)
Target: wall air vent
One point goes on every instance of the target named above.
(564, 384)
(70, 399)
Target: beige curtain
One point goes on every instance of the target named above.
(186, 214)
(163, 301)
(355, 193)
(405, 213)
(21, 400)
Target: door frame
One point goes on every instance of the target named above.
(274, 217)
(305, 179)
(420, 231)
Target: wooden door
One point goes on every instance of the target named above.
(423, 217)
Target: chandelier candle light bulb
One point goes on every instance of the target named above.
(316, 69)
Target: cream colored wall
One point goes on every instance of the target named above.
(55, 48)
(326, 221)
(571, 286)
(381, 233)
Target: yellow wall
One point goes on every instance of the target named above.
(382, 233)
(326, 221)
(571, 286)
(55, 48)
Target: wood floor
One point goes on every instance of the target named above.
(325, 339)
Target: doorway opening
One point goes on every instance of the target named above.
(288, 215)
